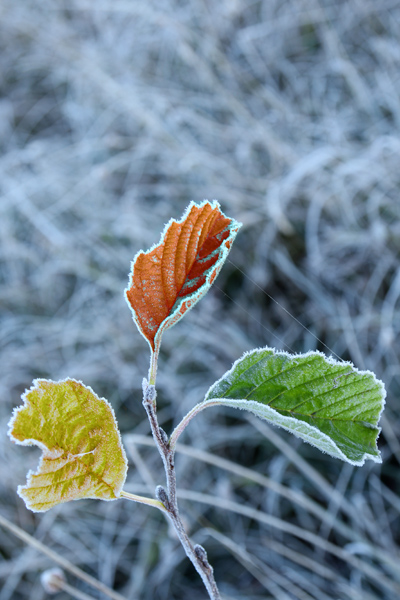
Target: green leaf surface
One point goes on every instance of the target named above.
(83, 456)
(327, 403)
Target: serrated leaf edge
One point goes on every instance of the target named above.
(45, 451)
(190, 301)
(248, 405)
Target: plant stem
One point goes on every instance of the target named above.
(195, 553)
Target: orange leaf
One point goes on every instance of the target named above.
(174, 274)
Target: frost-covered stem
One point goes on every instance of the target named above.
(195, 553)
(187, 418)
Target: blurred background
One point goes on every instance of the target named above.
(113, 116)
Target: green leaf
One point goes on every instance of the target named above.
(330, 404)
(83, 456)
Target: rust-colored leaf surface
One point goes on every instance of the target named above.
(173, 275)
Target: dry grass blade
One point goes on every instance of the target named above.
(367, 569)
(65, 564)
(113, 116)
(252, 475)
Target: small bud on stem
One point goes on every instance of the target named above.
(149, 392)
(164, 436)
(162, 496)
(202, 556)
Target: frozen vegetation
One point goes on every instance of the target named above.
(113, 116)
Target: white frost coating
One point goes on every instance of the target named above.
(52, 454)
(299, 428)
(193, 298)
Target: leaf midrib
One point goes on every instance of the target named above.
(88, 472)
(311, 415)
(292, 411)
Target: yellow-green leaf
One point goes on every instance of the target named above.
(83, 456)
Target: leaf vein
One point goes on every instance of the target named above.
(277, 374)
(299, 385)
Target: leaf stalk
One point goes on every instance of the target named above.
(180, 428)
(143, 500)
(153, 365)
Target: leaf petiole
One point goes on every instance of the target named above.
(153, 364)
(180, 428)
(144, 500)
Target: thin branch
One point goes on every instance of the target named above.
(195, 553)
